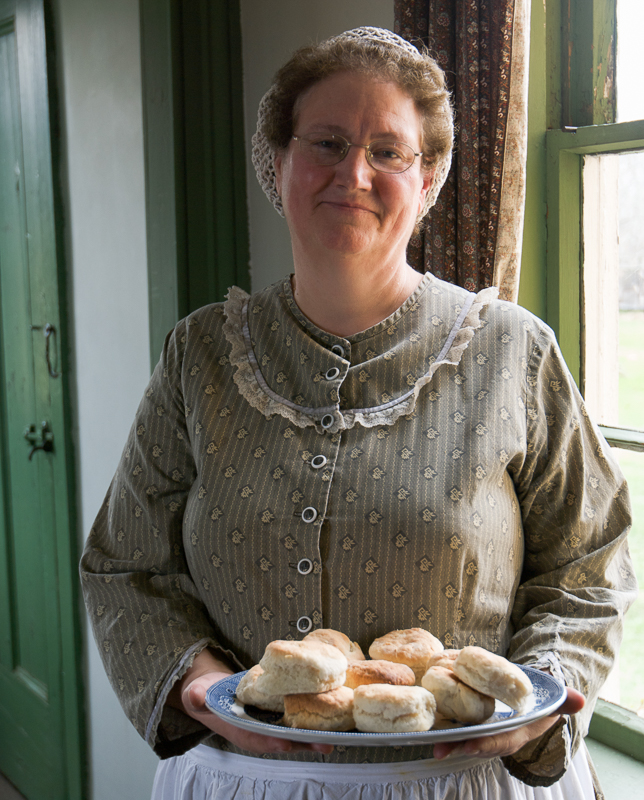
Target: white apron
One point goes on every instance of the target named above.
(205, 773)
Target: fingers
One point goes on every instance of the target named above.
(196, 696)
(258, 743)
(497, 745)
(573, 703)
(195, 702)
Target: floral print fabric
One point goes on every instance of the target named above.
(490, 513)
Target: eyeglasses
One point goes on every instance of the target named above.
(327, 149)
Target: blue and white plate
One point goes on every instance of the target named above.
(548, 695)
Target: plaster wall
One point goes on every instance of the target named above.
(102, 153)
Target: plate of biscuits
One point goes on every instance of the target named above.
(410, 690)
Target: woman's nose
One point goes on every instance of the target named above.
(354, 171)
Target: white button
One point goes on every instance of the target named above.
(309, 514)
(304, 566)
(317, 462)
(304, 624)
(327, 420)
(332, 374)
(338, 350)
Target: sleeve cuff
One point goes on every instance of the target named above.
(170, 732)
(543, 761)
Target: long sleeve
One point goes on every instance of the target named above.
(577, 579)
(147, 617)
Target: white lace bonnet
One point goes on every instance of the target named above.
(263, 154)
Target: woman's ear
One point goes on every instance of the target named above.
(428, 180)
(277, 166)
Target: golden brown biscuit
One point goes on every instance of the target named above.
(495, 676)
(300, 668)
(350, 649)
(456, 700)
(414, 647)
(380, 708)
(328, 711)
(362, 673)
(247, 693)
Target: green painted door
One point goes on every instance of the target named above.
(40, 731)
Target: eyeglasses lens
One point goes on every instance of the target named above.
(330, 149)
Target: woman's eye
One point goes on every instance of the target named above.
(327, 144)
(387, 153)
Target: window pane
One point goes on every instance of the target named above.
(613, 359)
(613, 289)
(630, 23)
(631, 290)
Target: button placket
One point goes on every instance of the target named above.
(308, 566)
(334, 375)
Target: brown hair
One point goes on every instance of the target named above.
(414, 72)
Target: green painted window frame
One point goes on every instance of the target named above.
(581, 87)
(565, 152)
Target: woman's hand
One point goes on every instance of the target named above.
(504, 744)
(189, 696)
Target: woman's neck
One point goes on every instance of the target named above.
(344, 299)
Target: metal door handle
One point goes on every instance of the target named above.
(48, 330)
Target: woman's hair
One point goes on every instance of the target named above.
(421, 78)
(374, 52)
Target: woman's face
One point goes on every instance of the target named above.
(350, 208)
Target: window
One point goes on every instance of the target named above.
(595, 197)
(595, 200)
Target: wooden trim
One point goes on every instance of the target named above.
(563, 293)
(217, 251)
(565, 152)
(167, 280)
(197, 219)
(588, 54)
(624, 438)
(618, 728)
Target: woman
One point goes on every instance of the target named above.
(358, 447)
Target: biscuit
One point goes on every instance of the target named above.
(445, 658)
(351, 650)
(414, 647)
(379, 708)
(495, 676)
(455, 700)
(328, 711)
(248, 695)
(300, 668)
(362, 673)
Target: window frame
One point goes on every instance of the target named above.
(565, 151)
(612, 725)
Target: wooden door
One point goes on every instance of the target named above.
(40, 731)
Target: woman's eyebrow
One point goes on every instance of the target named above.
(383, 134)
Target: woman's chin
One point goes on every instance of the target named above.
(349, 240)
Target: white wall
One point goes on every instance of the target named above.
(99, 75)
(271, 31)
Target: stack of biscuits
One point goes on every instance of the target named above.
(409, 683)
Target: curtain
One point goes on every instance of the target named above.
(472, 236)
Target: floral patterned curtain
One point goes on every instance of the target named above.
(473, 234)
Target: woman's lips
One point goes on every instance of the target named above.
(347, 206)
